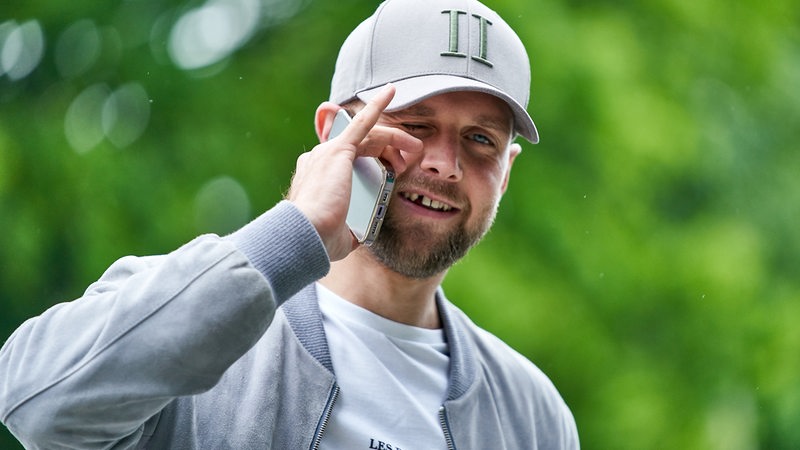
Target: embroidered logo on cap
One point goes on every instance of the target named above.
(455, 23)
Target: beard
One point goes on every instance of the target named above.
(419, 250)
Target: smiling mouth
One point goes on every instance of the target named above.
(427, 202)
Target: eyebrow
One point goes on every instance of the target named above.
(413, 111)
(495, 123)
(483, 120)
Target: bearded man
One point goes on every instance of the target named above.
(289, 334)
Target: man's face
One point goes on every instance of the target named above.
(447, 199)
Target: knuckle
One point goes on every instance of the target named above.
(302, 158)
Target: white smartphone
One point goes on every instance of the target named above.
(371, 191)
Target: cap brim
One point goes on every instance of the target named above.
(416, 89)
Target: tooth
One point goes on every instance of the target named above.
(426, 201)
(445, 207)
(413, 197)
(436, 204)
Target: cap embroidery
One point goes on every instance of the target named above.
(483, 36)
(484, 33)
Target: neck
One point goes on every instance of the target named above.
(364, 281)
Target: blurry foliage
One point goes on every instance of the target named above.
(646, 256)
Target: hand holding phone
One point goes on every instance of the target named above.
(371, 190)
(316, 188)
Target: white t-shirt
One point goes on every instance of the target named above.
(392, 379)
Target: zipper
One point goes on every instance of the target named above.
(446, 428)
(326, 417)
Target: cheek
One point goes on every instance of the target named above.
(490, 174)
(487, 184)
(485, 188)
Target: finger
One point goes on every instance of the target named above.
(394, 159)
(353, 241)
(381, 137)
(366, 119)
(389, 144)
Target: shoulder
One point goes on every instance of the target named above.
(515, 382)
(501, 362)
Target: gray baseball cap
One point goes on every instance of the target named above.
(430, 47)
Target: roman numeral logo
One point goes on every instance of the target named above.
(455, 22)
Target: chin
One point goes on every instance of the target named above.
(417, 253)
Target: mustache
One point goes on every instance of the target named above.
(446, 190)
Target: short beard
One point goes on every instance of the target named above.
(395, 245)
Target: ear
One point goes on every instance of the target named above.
(323, 119)
(513, 151)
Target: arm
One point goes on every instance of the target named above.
(89, 373)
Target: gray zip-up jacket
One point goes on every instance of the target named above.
(188, 351)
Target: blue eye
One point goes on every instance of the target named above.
(481, 139)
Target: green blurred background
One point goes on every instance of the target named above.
(646, 255)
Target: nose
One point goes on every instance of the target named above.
(440, 158)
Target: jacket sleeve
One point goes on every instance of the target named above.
(89, 373)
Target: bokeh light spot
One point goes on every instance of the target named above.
(98, 113)
(210, 33)
(22, 49)
(125, 114)
(83, 123)
(221, 206)
(5, 29)
(77, 49)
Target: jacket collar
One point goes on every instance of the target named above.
(304, 316)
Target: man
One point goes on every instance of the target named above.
(188, 350)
